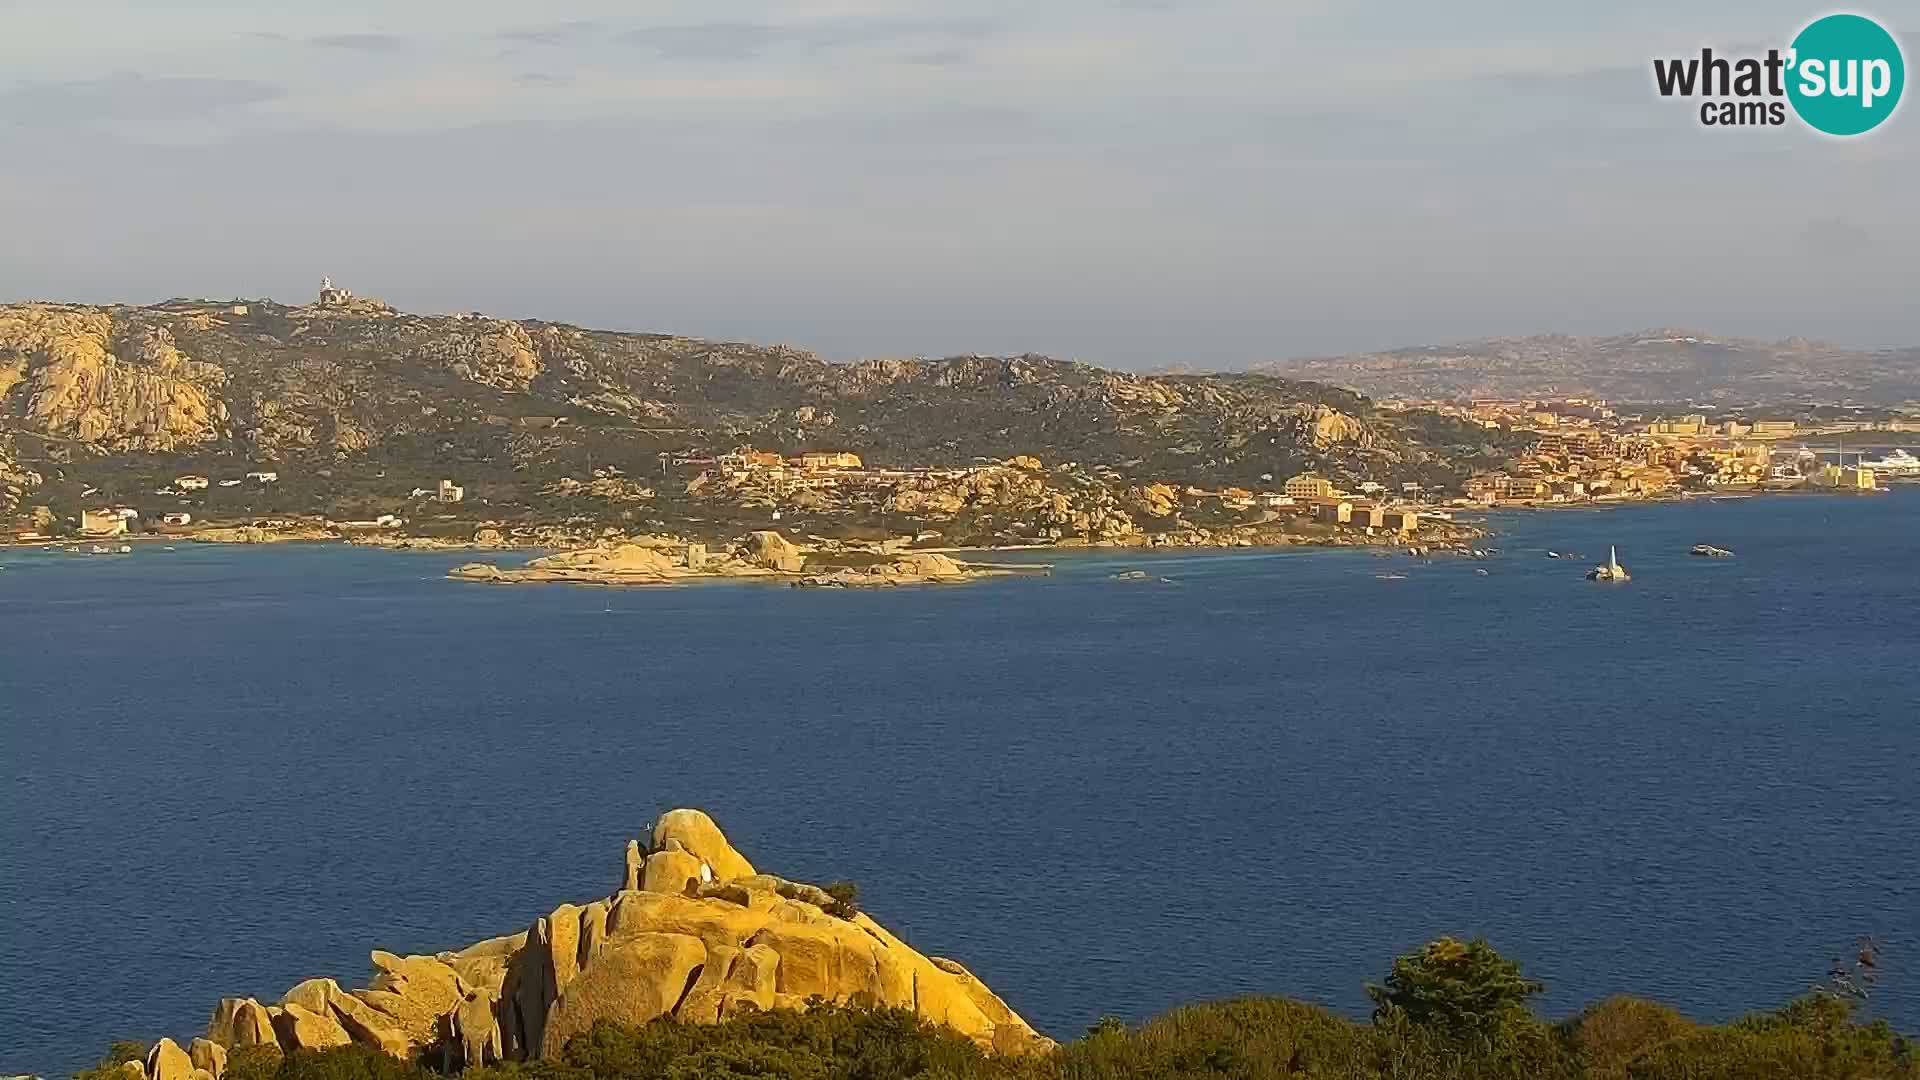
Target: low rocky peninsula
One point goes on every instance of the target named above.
(764, 555)
(694, 933)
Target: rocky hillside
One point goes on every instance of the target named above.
(360, 389)
(694, 932)
(1649, 366)
(16, 481)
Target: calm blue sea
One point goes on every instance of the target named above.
(223, 770)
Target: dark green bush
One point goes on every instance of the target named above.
(1812, 1038)
(348, 1063)
(118, 1053)
(1464, 989)
(828, 1042)
(1246, 1037)
(253, 1063)
(1609, 1035)
(846, 899)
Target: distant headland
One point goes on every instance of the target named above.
(344, 418)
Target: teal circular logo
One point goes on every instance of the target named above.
(1845, 74)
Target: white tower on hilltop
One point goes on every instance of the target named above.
(331, 296)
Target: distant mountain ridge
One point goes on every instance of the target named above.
(1663, 364)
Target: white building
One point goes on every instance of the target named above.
(102, 523)
(332, 295)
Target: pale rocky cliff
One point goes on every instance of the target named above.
(79, 374)
(695, 932)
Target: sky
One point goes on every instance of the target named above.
(1135, 183)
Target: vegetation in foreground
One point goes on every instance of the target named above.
(1451, 1011)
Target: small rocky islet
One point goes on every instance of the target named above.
(765, 555)
(694, 933)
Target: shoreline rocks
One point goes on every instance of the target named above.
(254, 534)
(765, 555)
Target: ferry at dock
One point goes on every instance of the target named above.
(1897, 463)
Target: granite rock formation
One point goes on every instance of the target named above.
(80, 374)
(703, 936)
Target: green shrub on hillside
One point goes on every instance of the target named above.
(1464, 989)
(118, 1053)
(1609, 1035)
(827, 1042)
(1812, 1038)
(846, 899)
(253, 1063)
(1248, 1038)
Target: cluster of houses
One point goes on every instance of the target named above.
(118, 520)
(1328, 505)
(1573, 466)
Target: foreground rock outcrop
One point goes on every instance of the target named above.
(696, 933)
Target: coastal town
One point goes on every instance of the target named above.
(1586, 450)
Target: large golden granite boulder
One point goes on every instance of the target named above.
(166, 1061)
(703, 937)
(634, 980)
(416, 991)
(673, 871)
(696, 834)
(241, 1022)
(208, 1056)
(301, 1028)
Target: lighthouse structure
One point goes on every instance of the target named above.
(333, 296)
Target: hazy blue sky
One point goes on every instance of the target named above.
(1133, 183)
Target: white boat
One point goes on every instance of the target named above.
(1897, 463)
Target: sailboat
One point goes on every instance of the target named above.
(1613, 571)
